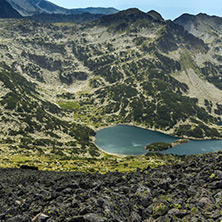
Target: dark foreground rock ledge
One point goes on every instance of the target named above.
(186, 192)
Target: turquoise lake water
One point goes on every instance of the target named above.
(130, 140)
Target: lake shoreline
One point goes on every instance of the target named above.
(117, 154)
(154, 130)
(103, 151)
(140, 136)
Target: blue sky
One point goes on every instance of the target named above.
(169, 9)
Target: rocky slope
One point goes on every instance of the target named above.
(7, 11)
(191, 191)
(209, 29)
(29, 123)
(202, 25)
(58, 81)
(137, 68)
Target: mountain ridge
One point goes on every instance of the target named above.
(202, 22)
(209, 29)
(126, 16)
(32, 7)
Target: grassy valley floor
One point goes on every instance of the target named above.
(106, 163)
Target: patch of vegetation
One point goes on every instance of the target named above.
(219, 109)
(44, 62)
(95, 82)
(69, 77)
(66, 96)
(212, 73)
(61, 162)
(158, 146)
(197, 131)
(68, 105)
(34, 71)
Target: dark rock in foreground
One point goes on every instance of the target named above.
(184, 192)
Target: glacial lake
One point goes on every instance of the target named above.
(130, 140)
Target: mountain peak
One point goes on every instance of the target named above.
(203, 26)
(128, 16)
(184, 18)
(203, 15)
(155, 15)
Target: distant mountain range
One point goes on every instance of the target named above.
(7, 11)
(33, 7)
(202, 25)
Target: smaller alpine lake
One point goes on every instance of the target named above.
(131, 140)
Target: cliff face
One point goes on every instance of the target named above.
(184, 192)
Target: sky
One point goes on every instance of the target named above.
(169, 9)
